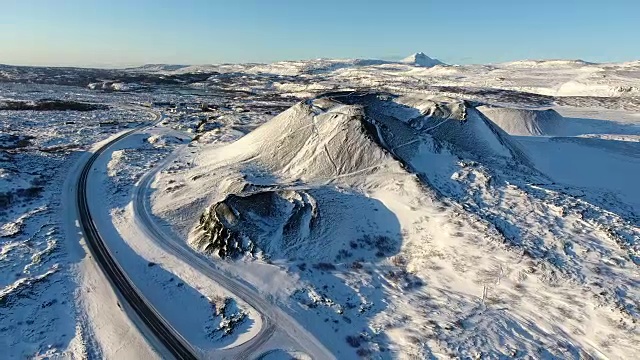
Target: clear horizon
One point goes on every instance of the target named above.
(120, 33)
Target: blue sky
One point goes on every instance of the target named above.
(132, 32)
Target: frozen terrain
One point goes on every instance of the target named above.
(345, 208)
(381, 209)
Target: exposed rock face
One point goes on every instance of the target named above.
(217, 235)
(230, 317)
(233, 227)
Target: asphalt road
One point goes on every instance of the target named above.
(173, 342)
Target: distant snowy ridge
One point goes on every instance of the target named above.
(290, 67)
(550, 63)
(157, 67)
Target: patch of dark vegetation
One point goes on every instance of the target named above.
(382, 245)
(9, 197)
(84, 77)
(12, 141)
(364, 353)
(324, 266)
(609, 102)
(60, 148)
(354, 341)
(26, 288)
(343, 254)
(50, 105)
(30, 192)
(403, 279)
(501, 95)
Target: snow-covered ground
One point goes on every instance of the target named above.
(430, 210)
(41, 272)
(417, 227)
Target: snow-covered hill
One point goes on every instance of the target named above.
(414, 217)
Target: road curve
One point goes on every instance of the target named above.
(142, 213)
(173, 342)
(273, 317)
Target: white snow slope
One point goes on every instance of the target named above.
(526, 122)
(413, 226)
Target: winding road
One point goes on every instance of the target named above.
(274, 319)
(173, 342)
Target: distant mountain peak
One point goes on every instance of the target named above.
(421, 59)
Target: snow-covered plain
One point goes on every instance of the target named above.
(421, 210)
(41, 310)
